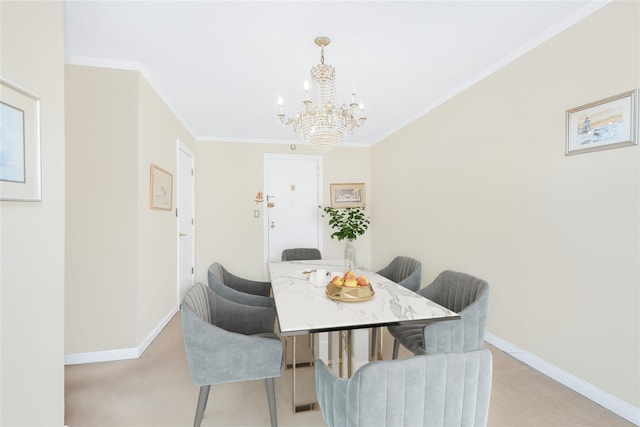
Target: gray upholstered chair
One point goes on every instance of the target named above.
(298, 254)
(237, 296)
(406, 272)
(445, 389)
(229, 342)
(466, 295)
(240, 284)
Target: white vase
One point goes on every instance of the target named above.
(350, 255)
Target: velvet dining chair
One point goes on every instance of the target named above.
(444, 389)
(237, 296)
(229, 342)
(299, 254)
(253, 287)
(460, 292)
(257, 297)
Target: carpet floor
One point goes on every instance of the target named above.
(156, 390)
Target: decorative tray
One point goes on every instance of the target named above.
(348, 294)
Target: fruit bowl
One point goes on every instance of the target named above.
(349, 294)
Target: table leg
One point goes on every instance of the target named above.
(303, 406)
(340, 357)
(349, 352)
(376, 352)
(299, 364)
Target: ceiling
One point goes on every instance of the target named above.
(220, 65)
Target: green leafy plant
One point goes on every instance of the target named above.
(349, 223)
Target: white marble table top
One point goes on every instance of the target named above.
(303, 306)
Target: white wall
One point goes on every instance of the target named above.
(32, 233)
(481, 185)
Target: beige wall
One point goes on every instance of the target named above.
(121, 255)
(32, 233)
(102, 166)
(159, 130)
(228, 176)
(481, 185)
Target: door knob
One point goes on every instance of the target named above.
(273, 224)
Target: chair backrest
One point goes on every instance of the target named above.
(469, 297)
(237, 296)
(455, 290)
(197, 299)
(216, 271)
(299, 254)
(222, 275)
(212, 307)
(444, 389)
(405, 271)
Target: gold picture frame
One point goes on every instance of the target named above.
(20, 163)
(348, 195)
(161, 194)
(608, 123)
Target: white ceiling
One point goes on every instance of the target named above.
(220, 65)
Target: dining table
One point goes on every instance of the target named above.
(304, 306)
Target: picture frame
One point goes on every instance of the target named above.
(161, 194)
(20, 159)
(348, 195)
(607, 123)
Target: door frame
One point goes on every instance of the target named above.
(265, 222)
(180, 146)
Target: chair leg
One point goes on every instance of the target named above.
(396, 348)
(202, 404)
(271, 397)
(374, 333)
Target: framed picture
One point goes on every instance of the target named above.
(607, 123)
(161, 189)
(20, 171)
(347, 195)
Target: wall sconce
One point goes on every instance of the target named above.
(259, 197)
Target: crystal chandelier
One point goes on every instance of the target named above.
(320, 121)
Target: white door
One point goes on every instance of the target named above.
(292, 196)
(186, 224)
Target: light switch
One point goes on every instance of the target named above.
(256, 213)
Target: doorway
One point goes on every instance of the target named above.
(185, 217)
(292, 196)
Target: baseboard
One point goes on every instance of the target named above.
(123, 353)
(599, 396)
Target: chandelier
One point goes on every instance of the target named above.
(320, 121)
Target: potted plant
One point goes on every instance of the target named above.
(348, 223)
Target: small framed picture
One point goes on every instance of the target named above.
(161, 189)
(608, 123)
(20, 173)
(347, 195)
